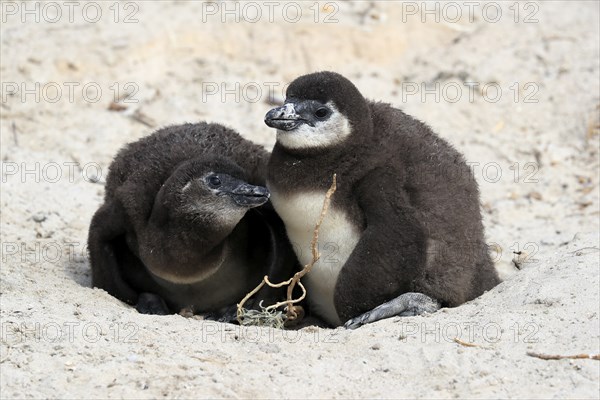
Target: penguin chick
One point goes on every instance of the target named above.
(403, 234)
(185, 222)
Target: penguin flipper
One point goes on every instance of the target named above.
(106, 227)
(391, 252)
(405, 305)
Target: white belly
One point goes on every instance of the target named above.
(337, 239)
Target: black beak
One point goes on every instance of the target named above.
(249, 195)
(284, 118)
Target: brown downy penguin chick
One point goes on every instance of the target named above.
(403, 232)
(186, 224)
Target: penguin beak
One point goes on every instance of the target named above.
(249, 195)
(284, 118)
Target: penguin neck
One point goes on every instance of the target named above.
(196, 247)
(310, 169)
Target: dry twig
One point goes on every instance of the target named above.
(142, 118)
(466, 344)
(559, 357)
(268, 315)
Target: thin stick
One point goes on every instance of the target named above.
(290, 301)
(466, 344)
(559, 357)
(245, 299)
(277, 285)
(291, 313)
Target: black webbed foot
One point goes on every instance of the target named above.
(149, 303)
(405, 305)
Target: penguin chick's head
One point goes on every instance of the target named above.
(321, 110)
(212, 191)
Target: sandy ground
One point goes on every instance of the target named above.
(527, 118)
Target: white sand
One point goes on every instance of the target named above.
(60, 338)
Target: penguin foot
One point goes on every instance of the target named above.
(149, 303)
(225, 314)
(405, 305)
(187, 312)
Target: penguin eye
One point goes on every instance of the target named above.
(214, 181)
(322, 112)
